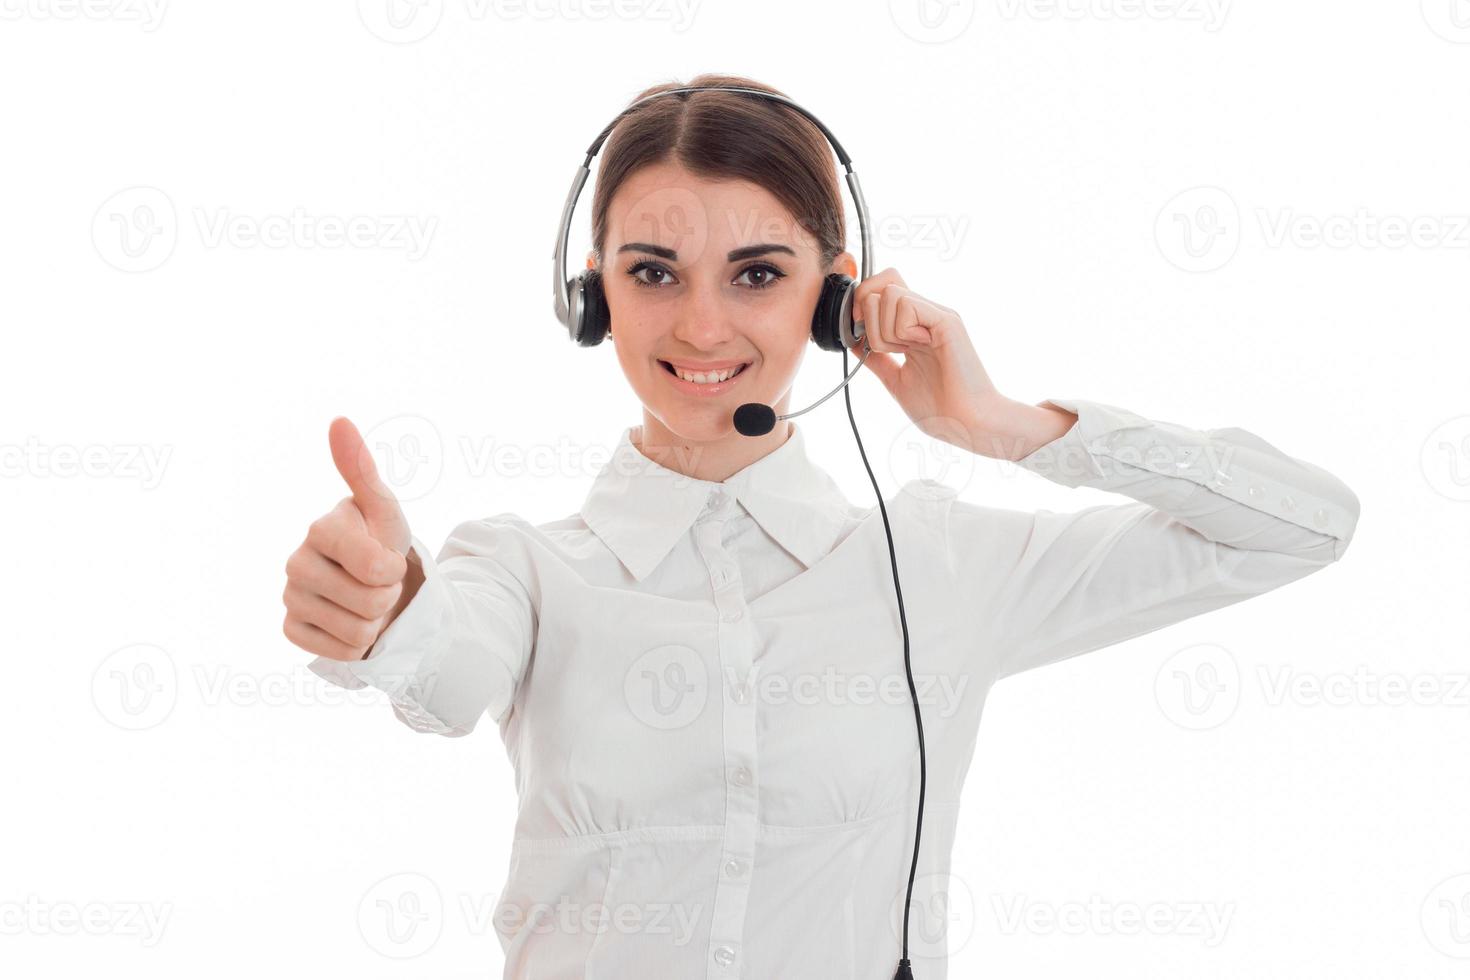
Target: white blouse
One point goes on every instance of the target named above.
(701, 685)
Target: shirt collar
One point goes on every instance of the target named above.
(640, 508)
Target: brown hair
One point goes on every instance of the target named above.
(727, 135)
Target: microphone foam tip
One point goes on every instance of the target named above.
(754, 419)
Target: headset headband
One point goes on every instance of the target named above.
(563, 293)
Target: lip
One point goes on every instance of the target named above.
(704, 391)
(703, 365)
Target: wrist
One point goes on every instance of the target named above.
(1005, 428)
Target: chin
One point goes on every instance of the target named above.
(709, 425)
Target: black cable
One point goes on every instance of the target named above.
(904, 970)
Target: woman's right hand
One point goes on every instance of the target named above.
(350, 578)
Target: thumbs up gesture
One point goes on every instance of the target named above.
(351, 577)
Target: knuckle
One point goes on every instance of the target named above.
(383, 602)
(364, 633)
(316, 535)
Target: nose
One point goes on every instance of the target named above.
(704, 320)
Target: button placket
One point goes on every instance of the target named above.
(739, 762)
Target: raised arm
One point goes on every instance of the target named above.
(1217, 516)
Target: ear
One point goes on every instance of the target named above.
(846, 265)
(592, 264)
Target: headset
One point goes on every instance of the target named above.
(581, 306)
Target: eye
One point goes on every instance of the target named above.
(643, 265)
(767, 275)
(770, 274)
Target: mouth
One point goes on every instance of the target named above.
(705, 383)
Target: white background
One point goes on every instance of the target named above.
(1119, 197)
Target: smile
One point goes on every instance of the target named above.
(703, 382)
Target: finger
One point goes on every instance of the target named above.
(910, 318)
(317, 575)
(350, 628)
(889, 306)
(879, 334)
(346, 540)
(878, 280)
(355, 463)
(313, 639)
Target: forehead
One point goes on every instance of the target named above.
(664, 204)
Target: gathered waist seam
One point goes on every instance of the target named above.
(702, 832)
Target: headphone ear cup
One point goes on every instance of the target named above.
(594, 321)
(834, 306)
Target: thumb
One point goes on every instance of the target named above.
(369, 493)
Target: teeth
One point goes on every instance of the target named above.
(709, 377)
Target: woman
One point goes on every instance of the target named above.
(698, 676)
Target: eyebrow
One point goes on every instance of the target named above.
(735, 255)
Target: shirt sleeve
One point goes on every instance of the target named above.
(462, 644)
(1217, 516)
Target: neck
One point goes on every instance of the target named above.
(714, 460)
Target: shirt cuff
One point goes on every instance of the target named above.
(396, 663)
(1078, 457)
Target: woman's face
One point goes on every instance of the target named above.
(708, 276)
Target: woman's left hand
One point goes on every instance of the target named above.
(941, 384)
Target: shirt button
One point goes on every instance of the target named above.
(724, 955)
(732, 615)
(733, 868)
(740, 693)
(742, 776)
